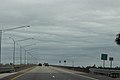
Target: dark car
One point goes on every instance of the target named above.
(46, 64)
(39, 64)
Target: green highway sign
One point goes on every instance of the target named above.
(104, 56)
(110, 58)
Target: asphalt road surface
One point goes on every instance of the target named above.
(52, 73)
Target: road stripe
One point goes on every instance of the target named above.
(28, 70)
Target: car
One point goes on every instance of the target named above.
(46, 64)
(40, 64)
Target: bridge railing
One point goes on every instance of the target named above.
(107, 72)
(9, 68)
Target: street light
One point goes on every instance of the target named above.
(0, 45)
(21, 51)
(32, 57)
(13, 51)
(15, 45)
(26, 53)
(24, 39)
(5, 30)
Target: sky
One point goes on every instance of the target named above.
(71, 30)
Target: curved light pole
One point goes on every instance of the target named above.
(21, 48)
(0, 45)
(15, 46)
(26, 53)
(13, 51)
(5, 30)
(21, 51)
(32, 57)
(25, 61)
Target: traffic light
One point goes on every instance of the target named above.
(65, 61)
(117, 40)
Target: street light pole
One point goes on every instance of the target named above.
(36, 61)
(20, 55)
(0, 46)
(14, 54)
(15, 28)
(13, 51)
(20, 48)
(1, 37)
(23, 47)
(25, 56)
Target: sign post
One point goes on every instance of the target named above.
(104, 57)
(111, 59)
(65, 62)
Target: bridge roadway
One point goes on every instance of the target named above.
(52, 73)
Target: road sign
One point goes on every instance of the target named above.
(59, 61)
(65, 61)
(104, 56)
(117, 40)
(110, 58)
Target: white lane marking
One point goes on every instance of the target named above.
(53, 76)
(76, 74)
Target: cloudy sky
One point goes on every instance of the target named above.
(79, 30)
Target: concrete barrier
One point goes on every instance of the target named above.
(15, 68)
(81, 69)
(6, 69)
(107, 72)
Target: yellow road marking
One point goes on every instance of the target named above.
(29, 69)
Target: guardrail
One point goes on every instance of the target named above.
(6, 69)
(107, 72)
(14, 68)
(81, 69)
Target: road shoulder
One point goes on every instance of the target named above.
(12, 76)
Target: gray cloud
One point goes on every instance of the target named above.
(63, 28)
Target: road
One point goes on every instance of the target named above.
(52, 73)
(49, 73)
